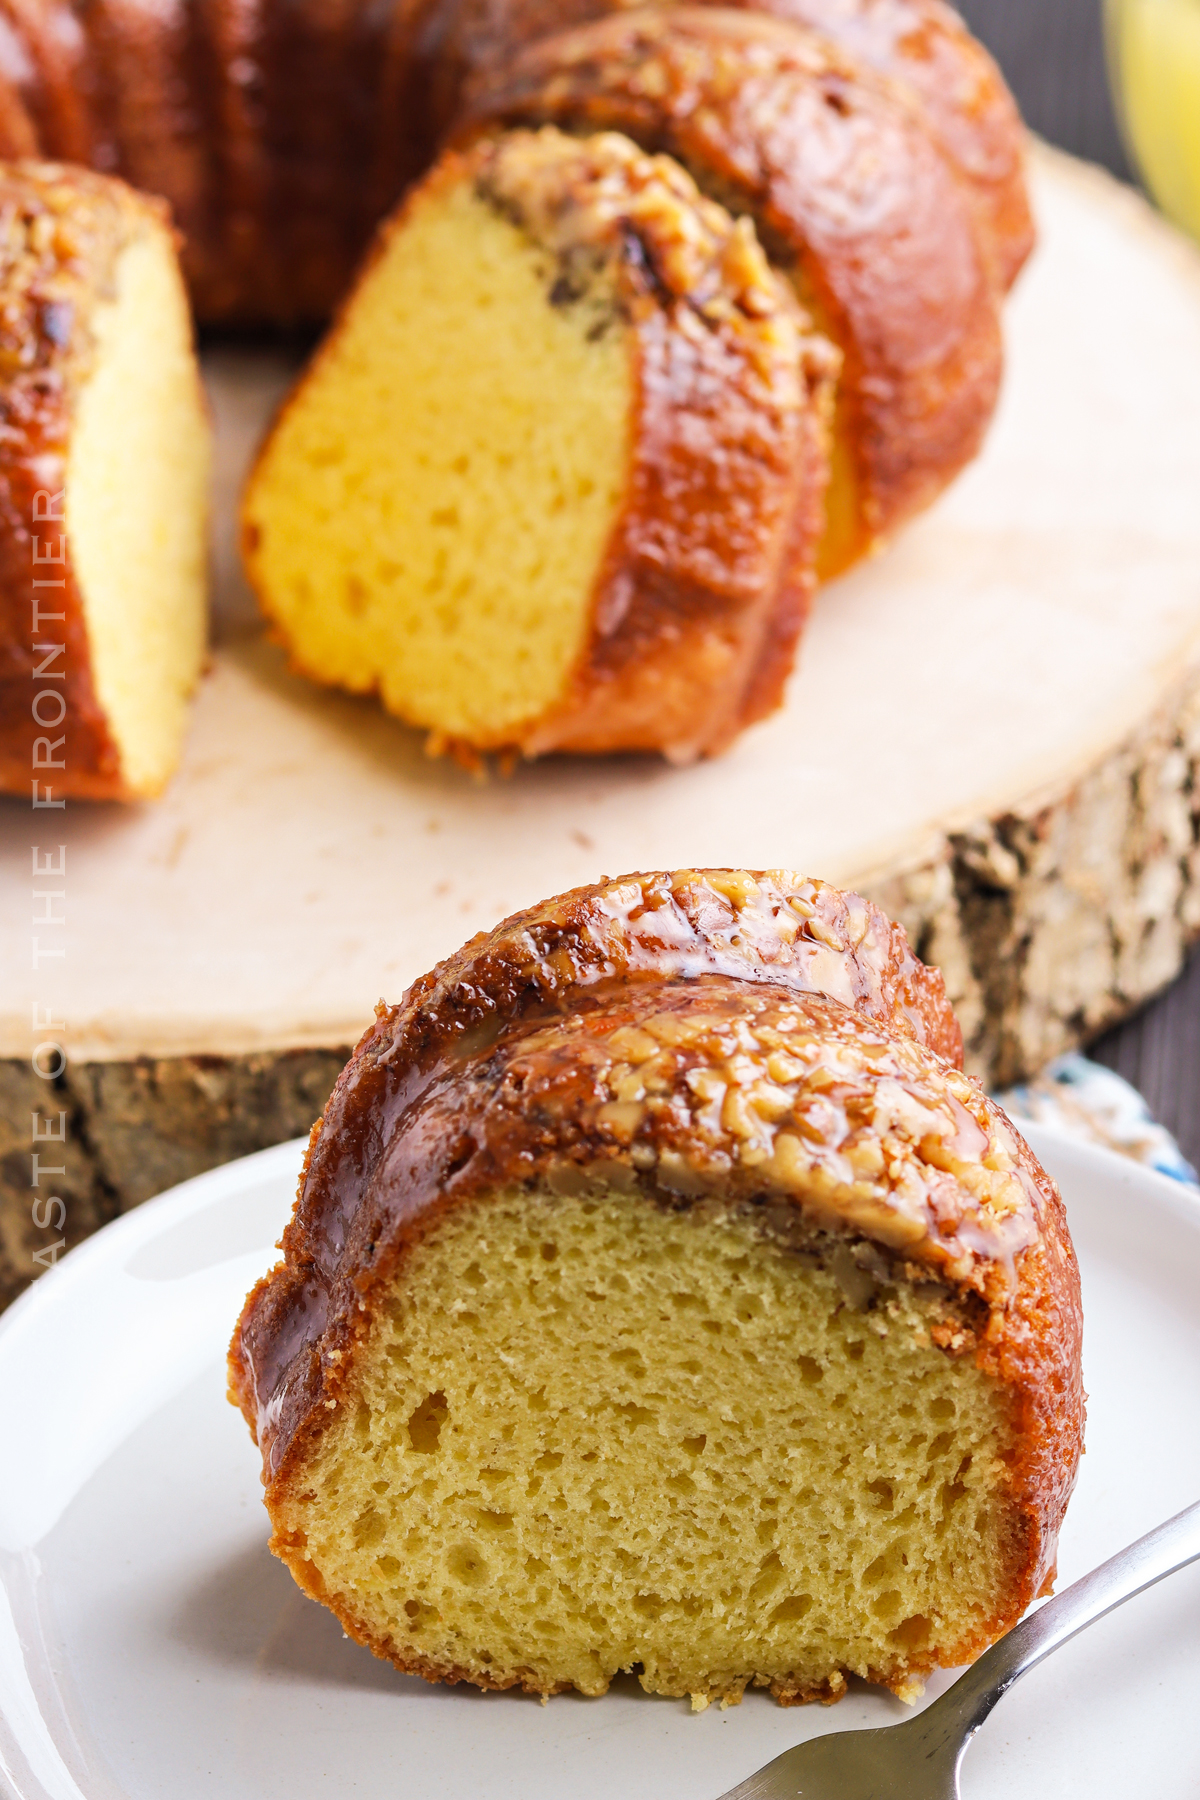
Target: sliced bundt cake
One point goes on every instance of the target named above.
(281, 133)
(871, 143)
(661, 1295)
(851, 198)
(555, 479)
(922, 46)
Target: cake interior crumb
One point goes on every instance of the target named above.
(137, 510)
(432, 512)
(593, 1434)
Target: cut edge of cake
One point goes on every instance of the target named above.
(409, 542)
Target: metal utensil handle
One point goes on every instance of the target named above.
(964, 1707)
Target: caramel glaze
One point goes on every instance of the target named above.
(709, 569)
(849, 195)
(922, 44)
(61, 232)
(708, 1039)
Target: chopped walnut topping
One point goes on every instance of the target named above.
(725, 1090)
(585, 199)
(61, 231)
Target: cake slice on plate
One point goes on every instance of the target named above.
(661, 1295)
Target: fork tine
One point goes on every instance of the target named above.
(894, 1763)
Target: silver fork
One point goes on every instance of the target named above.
(920, 1759)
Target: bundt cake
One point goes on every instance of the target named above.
(870, 142)
(281, 131)
(660, 1295)
(851, 199)
(922, 46)
(555, 479)
(104, 465)
(895, 254)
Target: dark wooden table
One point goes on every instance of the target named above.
(1159, 1052)
(1052, 52)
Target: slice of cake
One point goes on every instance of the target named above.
(555, 479)
(104, 470)
(851, 198)
(661, 1295)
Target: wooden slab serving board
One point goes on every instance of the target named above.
(994, 729)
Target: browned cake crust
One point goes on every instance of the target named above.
(61, 232)
(45, 102)
(281, 131)
(848, 193)
(922, 44)
(709, 568)
(317, 147)
(510, 1063)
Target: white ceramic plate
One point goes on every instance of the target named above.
(150, 1646)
